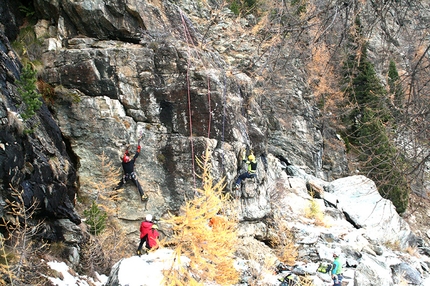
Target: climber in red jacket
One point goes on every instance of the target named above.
(129, 174)
(148, 234)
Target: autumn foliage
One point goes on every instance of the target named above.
(205, 232)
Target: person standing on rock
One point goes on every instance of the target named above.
(336, 272)
(145, 228)
(129, 174)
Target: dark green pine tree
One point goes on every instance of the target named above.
(95, 219)
(394, 84)
(368, 123)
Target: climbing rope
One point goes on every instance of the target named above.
(190, 43)
(224, 103)
(209, 106)
(188, 39)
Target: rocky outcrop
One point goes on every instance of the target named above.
(374, 240)
(34, 158)
(115, 82)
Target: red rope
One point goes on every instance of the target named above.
(190, 119)
(189, 41)
(209, 106)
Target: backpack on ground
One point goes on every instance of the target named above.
(325, 267)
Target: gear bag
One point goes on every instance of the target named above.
(325, 267)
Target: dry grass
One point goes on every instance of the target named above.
(20, 262)
(413, 251)
(393, 245)
(15, 122)
(260, 262)
(282, 241)
(313, 211)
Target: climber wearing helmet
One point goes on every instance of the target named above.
(250, 173)
(145, 228)
(129, 174)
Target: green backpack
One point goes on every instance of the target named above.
(324, 267)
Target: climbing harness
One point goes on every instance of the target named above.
(129, 176)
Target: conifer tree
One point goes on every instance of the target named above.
(210, 248)
(394, 84)
(96, 219)
(370, 122)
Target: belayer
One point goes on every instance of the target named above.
(129, 174)
(148, 235)
(250, 173)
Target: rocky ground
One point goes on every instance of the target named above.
(417, 216)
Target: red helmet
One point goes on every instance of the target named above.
(126, 159)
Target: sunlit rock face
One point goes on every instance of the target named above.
(130, 69)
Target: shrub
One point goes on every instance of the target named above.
(28, 91)
(20, 262)
(394, 84)
(282, 240)
(96, 219)
(100, 251)
(242, 6)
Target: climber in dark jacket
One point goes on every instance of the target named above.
(129, 174)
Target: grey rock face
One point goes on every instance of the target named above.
(171, 92)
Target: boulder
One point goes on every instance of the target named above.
(363, 206)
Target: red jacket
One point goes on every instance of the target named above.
(153, 235)
(145, 227)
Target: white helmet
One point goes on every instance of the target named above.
(148, 217)
(336, 251)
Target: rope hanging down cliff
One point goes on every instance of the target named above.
(190, 43)
(190, 119)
